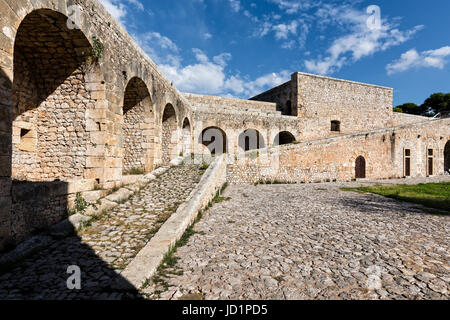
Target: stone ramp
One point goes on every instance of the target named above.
(102, 248)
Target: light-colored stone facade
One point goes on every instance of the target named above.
(80, 105)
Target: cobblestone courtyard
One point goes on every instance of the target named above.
(314, 241)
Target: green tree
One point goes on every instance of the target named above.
(410, 108)
(436, 103)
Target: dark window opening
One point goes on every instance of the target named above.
(335, 126)
(407, 162)
(430, 162)
(24, 132)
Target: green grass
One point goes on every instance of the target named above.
(431, 195)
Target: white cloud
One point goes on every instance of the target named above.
(209, 76)
(412, 59)
(282, 31)
(235, 5)
(116, 9)
(359, 43)
(119, 9)
(293, 6)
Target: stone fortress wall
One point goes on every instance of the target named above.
(82, 105)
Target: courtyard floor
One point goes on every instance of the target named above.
(313, 241)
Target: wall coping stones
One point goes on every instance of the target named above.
(147, 261)
(342, 80)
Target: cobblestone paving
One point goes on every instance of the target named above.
(314, 241)
(103, 249)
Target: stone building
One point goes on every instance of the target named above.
(81, 105)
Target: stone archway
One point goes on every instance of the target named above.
(169, 141)
(251, 139)
(284, 137)
(215, 139)
(187, 138)
(360, 168)
(137, 129)
(447, 157)
(56, 88)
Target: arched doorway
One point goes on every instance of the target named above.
(215, 139)
(283, 138)
(187, 139)
(251, 139)
(137, 128)
(169, 140)
(360, 168)
(447, 157)
(57, 83)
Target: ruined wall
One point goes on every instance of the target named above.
(357, 106)
(333, 159)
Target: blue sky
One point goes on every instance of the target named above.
(242, 47)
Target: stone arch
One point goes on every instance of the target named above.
(447, 158)
(215, 139)
(187, 137)
(360, 167)
(56, 92)
(137, 127)
(251, 139)
(57, 83)
(284, 137)
(169, 141)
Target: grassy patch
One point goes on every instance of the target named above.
(431, 195)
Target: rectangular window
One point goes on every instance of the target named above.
(430, 162)
(335, 126)
(407, 163)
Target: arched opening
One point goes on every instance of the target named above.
(57, 81)
(169, 141)
(251, 139)
(187, 138)
(447, 157)
(137, 128)
(360, 168)
(283, 138)
(215, 139)
(287, 108)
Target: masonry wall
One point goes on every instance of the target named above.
(283, 95)
(333, 159)
(357, 106)
(77, 124)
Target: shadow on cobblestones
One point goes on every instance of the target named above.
(44, 275)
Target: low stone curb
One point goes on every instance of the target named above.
(147, 261)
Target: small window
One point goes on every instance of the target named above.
(335, 126)
(430, 152)
(407, 152)
(24, 132)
